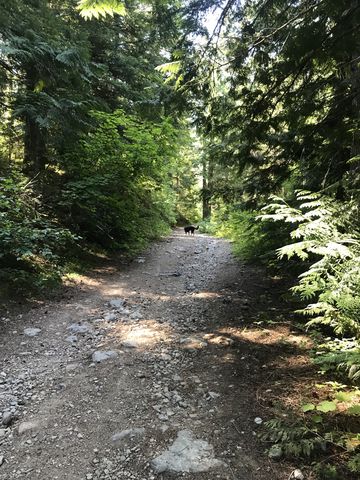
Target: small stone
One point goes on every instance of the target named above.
(1, 459)
(117, 303)
(258, 420)
(2, 432)
(27, 427)
(71, 339)
(72, 366)
(89, 476)
(101, 356)
(163, 417)
(131, 432)
(110, 317)
(80, 328)
(212, 395)
(297, 475)
(7, 418)
(32, 332)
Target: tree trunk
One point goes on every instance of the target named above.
(355, 88)
(34, 148)
(34, 139)
(207, 175)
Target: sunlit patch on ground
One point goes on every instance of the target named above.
(278, 335)
(219, 340)
(229, 358)
(291, 362)
(206, 295)
(192, 343)
(145, 335)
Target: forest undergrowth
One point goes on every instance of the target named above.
(320, 259)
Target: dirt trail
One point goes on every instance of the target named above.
(174, 368)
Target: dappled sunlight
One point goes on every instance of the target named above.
(278, 335)
(219, 340)
(142, 335)
(292, 362)
(192, 342)
(83, 281)
(205, 295)
(119, 291)
(229, 357)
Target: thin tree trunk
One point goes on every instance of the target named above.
(206, 189)
(34, 139)
(34, 148)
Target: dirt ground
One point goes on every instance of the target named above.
(181, 344)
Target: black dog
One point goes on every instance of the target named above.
(190, 229)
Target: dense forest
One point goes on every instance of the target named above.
(121, 120)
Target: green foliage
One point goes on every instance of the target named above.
(108, 177)
(120, 192)
(341, 355)
(307, 438)
(100, 8)
(31, 244)
(326, 237)
(327, 472)
(278, 88)
(348, 400)
(252, 241)
(296, 439)
(354, 464)
(186, 183)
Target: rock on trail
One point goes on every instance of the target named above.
(187, 454)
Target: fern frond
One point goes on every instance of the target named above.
(306, 195)
(170, 67)
(100, 8)
(298, 249)
(312, 204)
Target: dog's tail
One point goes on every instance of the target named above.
(197, 228)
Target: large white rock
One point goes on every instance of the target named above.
(100, 356)
(117, 303)
(30, 426)
(80, 328)
(187, 454)
(32, 331)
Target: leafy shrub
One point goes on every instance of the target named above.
(31, 246)
(310, 438)
(252, 241)
(342, 355)
(326, 235)
(119, 192)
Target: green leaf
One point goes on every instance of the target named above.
(344, 396)
(326, 406)
(171, 67)
(100, 8)
(354, 410)
(317, 418)
(308, 407)
(39, 86)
